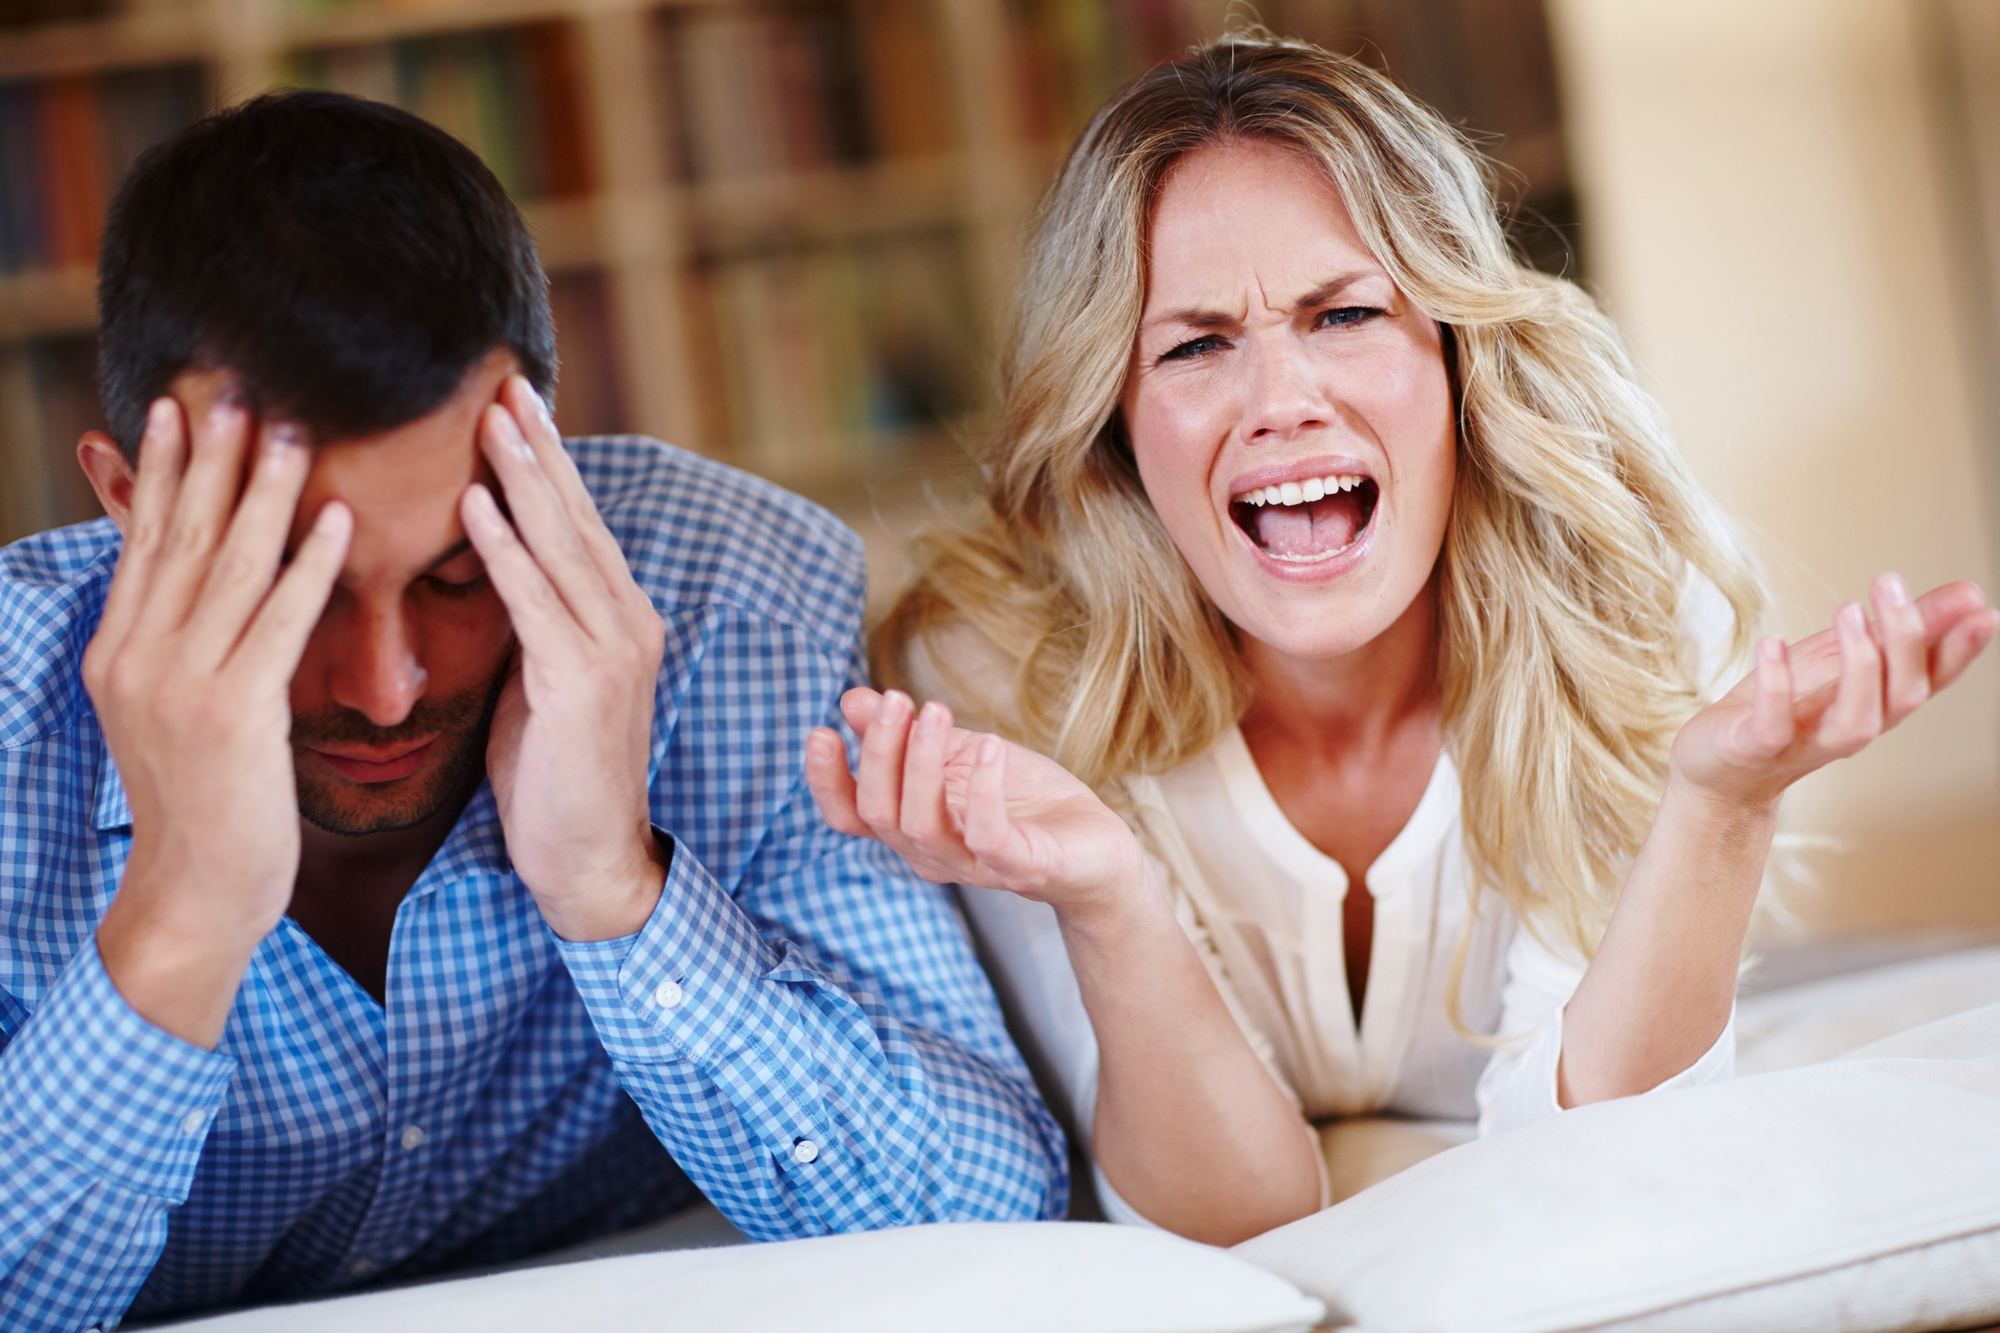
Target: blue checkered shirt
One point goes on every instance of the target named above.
(800, 1031)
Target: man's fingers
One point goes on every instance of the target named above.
(248, 562)
(831, 782)
(277, 638)
(543, 622)
(1855, 717)
(538, 428)
(201, 512)
(162, 452)
(543, 524)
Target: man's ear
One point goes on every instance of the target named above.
(111, 475)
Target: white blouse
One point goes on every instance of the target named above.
(1263, 907)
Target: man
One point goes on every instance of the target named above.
(404, 861)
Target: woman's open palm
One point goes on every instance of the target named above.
(1828, 696)
(970, 808)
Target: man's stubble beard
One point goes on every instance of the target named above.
(460, 721)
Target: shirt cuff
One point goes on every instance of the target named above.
(687, 986)
(98, 1085)
(1532, 1092)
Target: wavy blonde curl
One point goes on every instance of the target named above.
(1575, 523)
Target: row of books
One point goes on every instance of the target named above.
(829, 357)
(33, 13)
(760, 90)
(48, 398)
(65, 144)
(511, 94)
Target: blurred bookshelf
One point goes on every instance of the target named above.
(780, 232)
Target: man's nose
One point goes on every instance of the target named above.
(380, 676)
(1283, 392)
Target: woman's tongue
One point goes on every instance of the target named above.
(1310, 529)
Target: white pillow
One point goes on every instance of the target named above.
(1820, 1020)
(976, 1277)
(1851, 1197)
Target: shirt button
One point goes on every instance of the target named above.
(362, 1267)
(192, 1122)
(668, 994)
(413, 1138)
(805, 1151)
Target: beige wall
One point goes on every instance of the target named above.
(1763, 212)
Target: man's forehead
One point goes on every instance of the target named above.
(404, 484)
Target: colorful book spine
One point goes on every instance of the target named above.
(831, 357)
(511, 95)
(762, 91)
(66, 143)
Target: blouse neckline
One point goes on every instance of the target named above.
(1261, 814)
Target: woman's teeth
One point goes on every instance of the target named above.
(1299, 492)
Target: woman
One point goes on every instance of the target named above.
(1342, 554)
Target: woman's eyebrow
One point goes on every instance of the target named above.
(1198, 317)
(1331, 289)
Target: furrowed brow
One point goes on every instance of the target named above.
(457, 549)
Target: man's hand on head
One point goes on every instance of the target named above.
(572, 735)
(190, 669)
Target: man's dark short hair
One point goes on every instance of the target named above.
(347, 260)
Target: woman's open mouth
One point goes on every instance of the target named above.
(1304, 522)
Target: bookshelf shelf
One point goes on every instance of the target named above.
(48, 301)
(782, 232)
(828, 205)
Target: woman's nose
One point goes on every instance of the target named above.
(1283, 395)
(379, 675)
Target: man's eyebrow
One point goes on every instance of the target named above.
(457, 549)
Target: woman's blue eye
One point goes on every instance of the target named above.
(1192, 348)
(1347, 314)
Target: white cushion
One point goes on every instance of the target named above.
(1852, 1197)
(1820, 1020)
(1021, 1277)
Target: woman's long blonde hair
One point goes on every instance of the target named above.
(1573, 530)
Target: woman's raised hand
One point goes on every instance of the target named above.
(1826, 697)
(970, 808)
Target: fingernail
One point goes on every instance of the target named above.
(1851, 616)
(160, 415)
(895, 705)
(989, 750)
(542, 410)
(328, 518)
(1898, 592)
(929, 716)
(1772, 647)
(281, 436)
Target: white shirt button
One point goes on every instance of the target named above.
(804, 1151)
(192, 1122)
(413, 1138)
(668, 994)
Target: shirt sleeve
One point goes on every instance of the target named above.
(1519, 1081)
(102, 1121)
(809, 1033)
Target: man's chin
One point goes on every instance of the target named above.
(387, 807)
